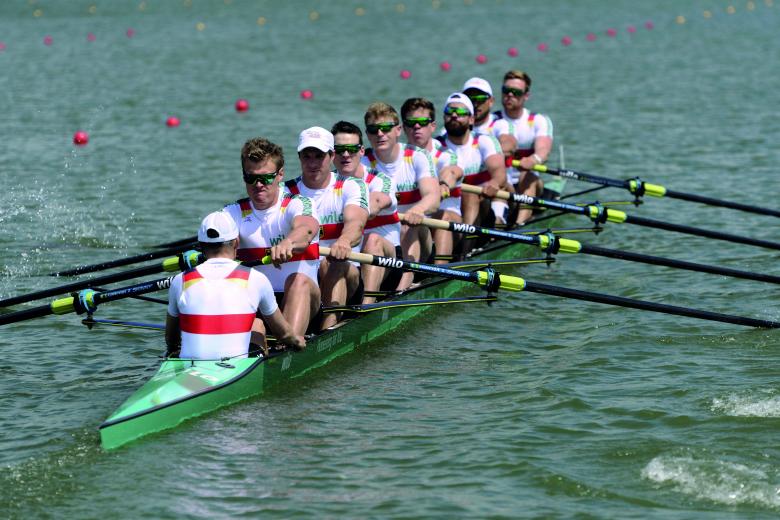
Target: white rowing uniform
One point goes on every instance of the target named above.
(526, 129)
(472, 156)
(386, 223)
(412, 165)
(216, 304)
(330, 201)
(261, 229)
(443, 157)
(495, 126)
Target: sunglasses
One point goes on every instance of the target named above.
(349, 148)
(265, 179)
(384, 127)
(514, 91)
(422, 121)
(458, 111)
(478, 98)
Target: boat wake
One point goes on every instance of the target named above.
(719, 481)
(763, 403)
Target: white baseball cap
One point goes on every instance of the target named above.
(217, 227)
(316, 137)
(460, 97)
(478, 84)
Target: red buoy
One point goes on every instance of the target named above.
(80, 138)
(242, 105)
(172, 121)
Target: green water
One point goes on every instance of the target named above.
(534, 407)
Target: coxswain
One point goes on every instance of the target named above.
(419, 120)
(533, 133)
(211, 308)
(412, 170)
(342, 205)
(284, 226)
(479, 155)
(382, 234)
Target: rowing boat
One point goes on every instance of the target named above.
(183, 388)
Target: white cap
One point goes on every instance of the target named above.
(460, 97)
(478, 84)
(316, 137)
(217, 227)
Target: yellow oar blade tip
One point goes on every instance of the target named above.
(512, 283)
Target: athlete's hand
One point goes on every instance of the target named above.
(490, 189)
(445, 191)
(282, 252)
(527, 163)
(295, 341)
(413, 217)
(340, 249)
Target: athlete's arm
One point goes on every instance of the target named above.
(172, 336)
(431, 197)
(495, 165)
(304, 229)
(508, 143)
(451, 174)
(377, 201)
(542, 149)
(354, 221)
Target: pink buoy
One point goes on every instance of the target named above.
(2, 46)
(611, 32)
(512, 51)
(307, 94)
(172, 122)
(445, 66)
(649, 25)
(481, 59)
(48, 40)
(242, 105)
(591, 37)
(91, 37)
(542, 47)
(80, 138)
(130, 32)
(566, 41)
(405, 74)
(631, 29)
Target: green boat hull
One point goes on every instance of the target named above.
(183, 389)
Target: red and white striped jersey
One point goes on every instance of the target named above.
(413, 164)
(216, 303)
(259, 230)
(330, 202)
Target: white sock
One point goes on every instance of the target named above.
(500, 210)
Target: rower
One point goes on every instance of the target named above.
(486, 122)
(211, 308)
(412, 170)
(284, 226)
(342, 205)
(382, 234)
(533, 133)
(419, 120)
(479, 155)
